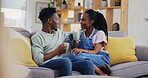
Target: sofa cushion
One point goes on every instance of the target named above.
(130, 69)
(20, 71)
(73, 73)
(142, 52)
(40, 72)
(121, 49)
(21, 49)
(22, 31)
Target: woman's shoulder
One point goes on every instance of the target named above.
(100, 32)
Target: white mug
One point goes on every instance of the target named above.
(76, 36)
(67, 46)
(67, 50)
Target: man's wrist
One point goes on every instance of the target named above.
(58, 51)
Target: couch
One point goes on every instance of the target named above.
(127, 70)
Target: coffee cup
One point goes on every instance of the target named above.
(67, 46)
(67, 50)
(76, 36)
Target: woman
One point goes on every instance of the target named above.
(92, 41)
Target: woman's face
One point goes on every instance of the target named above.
(85, 22)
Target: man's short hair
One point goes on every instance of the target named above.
(46, 13)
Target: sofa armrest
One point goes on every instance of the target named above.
(142, 52)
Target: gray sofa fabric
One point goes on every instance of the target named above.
(127, 70)
(22, 31)
(130, 69)
(40, 72)
(142, 52)
(116, 34)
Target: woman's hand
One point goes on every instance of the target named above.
(77, 51)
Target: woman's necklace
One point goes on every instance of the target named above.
(88, 32)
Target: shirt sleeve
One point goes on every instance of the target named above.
(100, 37)
(37, 50)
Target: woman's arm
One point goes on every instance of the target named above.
(96, 49)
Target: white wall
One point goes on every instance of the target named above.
(31, 24)
(0, 5)
(137, 27)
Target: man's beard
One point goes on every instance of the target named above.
(55, 29)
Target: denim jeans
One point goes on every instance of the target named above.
(65, 66)
(85, 67)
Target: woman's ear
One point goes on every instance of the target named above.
(49, 20)
(91, 22)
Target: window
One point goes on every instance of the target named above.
(14, 14)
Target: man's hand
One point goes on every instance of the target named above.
(71, 37)
(62, 48)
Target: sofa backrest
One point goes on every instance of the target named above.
(22, 31)
(26, 33)
(116, 34)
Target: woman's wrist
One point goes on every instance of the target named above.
(87, 51)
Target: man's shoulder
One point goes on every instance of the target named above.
(60, 31)
(36, 34)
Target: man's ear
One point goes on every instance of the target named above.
(49, 20)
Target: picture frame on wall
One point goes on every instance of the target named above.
(39, 7)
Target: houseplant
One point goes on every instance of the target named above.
(146, 19)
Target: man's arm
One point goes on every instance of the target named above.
(61, 49)
(38, 54)
(37, 50)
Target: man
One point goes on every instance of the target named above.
(47, 45)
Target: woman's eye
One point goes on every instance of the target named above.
(82, 19)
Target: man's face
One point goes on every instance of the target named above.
(54, 21)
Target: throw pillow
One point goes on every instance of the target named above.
(121, 50)
(21, 49)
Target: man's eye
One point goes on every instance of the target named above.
(82, 19)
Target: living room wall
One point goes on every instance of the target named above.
(31, 6)
(137, 27)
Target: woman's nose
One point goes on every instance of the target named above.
(80, 22)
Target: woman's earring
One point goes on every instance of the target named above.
(49, 22)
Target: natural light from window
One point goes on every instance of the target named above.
(14, 17)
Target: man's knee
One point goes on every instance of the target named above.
(66, 61)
